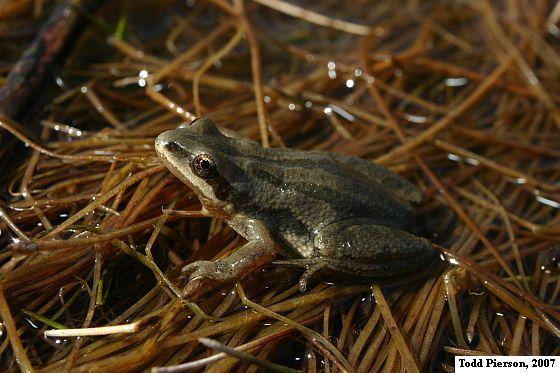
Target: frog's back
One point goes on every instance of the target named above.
(352, 168)
(299, 192)
(392, 181)
(328, 190)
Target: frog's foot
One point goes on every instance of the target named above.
(202, 276)
(200, 268)
(312, 266)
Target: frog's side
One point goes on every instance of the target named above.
(335, 214)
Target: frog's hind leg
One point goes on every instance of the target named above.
(345, 269)
(361, 249)
(366, 241)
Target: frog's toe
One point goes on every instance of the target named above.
(200, 269)
(312, 266)
(309, 272)
(202, 276)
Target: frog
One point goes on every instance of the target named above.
(333, 215)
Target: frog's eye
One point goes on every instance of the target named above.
(204, 166)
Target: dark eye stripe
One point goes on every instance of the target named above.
(172, 146)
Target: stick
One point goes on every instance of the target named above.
(37, 60)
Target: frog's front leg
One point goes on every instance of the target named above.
(206, 275)
(364, 250)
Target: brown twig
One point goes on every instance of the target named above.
(37, 60)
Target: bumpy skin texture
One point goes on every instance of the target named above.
(316, 205)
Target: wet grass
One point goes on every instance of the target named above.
(458, 98)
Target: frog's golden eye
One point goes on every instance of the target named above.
(204, 166)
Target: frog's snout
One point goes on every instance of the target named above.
(160, 142)
(164, 144)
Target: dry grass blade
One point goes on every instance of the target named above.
(213, 344)
(402, 346)
(457, 97)
(13, 335)
(313, 336)
(314, 17)
(89, 332)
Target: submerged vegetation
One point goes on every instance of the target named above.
(458, 97)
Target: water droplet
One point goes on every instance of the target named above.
(343, 113)
(548, 202)
(416, 118)
(59, 82)
(554, 31)
(143, 74)
(453, 157)
(472, 161)
(456, 82)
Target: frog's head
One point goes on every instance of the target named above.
(196, 154)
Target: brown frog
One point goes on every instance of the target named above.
(337, 215)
